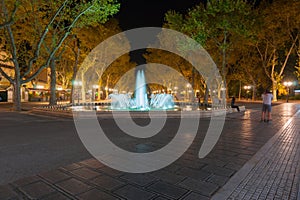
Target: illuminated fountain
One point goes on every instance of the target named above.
(162, 101)
(96, 69)
(140, 101)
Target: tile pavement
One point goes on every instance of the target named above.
(252, 160)
(273, 172)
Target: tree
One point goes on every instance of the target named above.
(214, 26)
(297, 67)
(179, 64)
(277, 34)
(90, 37)
(28, 54)
(245, 66)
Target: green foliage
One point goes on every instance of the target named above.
(40, 27)
(213, 25)
(297, 73)
(297, 67)
(33, 32)
(98, 11)
(216, 26)
(252, 43)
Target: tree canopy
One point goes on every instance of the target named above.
(32, 32)
(252, 43)
(214, 26)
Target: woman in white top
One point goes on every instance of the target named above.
(267, 106)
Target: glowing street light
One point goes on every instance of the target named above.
(287, 83)
(247, 88)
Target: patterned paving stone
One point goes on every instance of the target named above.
(172, 168)
(214, 161)
(218, 170)
(193, 173)
(233, 166)
(134, 193)
(26, 181)
(270, 174)
(110, 171)
(167, 189)
(107, 182)
(74, 186)
(92, 163)
(54, 176)
(85, 173)
(218, 180)
(196, 163)
(161, 198)
(36, 190)
(95, 194)
(168, 176)
(189, 177)
(139, 179)
(6, 193)
(204, 188)
(56, 196)
(243, 156)
(71, 167)
(195, 196)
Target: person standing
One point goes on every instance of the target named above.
(267, 98)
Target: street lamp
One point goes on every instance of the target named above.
(288, 84)
(247, 88)
(175, 90)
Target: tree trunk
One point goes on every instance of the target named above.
(100, 94)
(253, 92)
(206, 96)
(53, 100)
(106, 87)
(75, 68)
(17, 94)
(240, 90)
(72, 99)
(83, 88)
(274, 89)
(224, 63)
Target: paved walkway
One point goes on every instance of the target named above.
(273, 172)
(252, 160)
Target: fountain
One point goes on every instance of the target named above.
(140, 101)
(95, 137)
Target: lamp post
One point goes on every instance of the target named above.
(247, 88)
(287, 84)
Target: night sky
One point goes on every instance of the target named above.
(148, 13)
(142, 13)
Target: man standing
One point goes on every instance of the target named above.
(267, 106)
